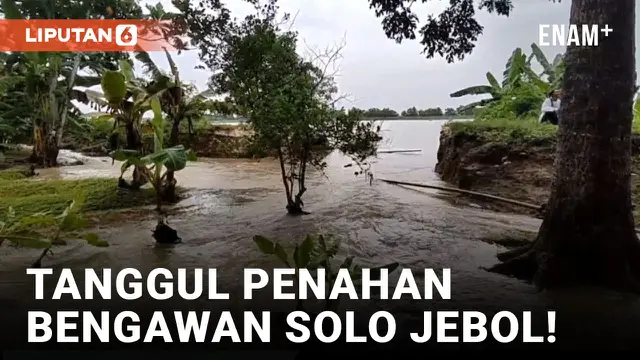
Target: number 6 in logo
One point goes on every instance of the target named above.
(126, 35)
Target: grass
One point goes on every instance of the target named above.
(28, 196)
(505, 131)
(512, 131)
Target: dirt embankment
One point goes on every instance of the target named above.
(521, 171)
(223, 142)
(216, 142)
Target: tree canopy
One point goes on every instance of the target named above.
(451, 34)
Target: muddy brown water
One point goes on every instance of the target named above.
(232, 200)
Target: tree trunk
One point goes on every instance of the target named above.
(45, 150)
(587, 235)
(65, 107)
(134, 142)
(169, 187)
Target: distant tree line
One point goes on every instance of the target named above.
(413, 112)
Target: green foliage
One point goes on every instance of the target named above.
(181, 102)
(27, 231)
(451, 34)
(552, 71)
(505, 130)
(28, 78)
(414, 112)
(379, 113)
(517, 73)
(410, 112)
(520, 102)
(173, 158)
(317, 251)
(28, 196)
(288, 101)
(114, 86)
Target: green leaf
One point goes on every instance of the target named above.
(303, 255)
(174, 158)
(347, 263)
(127, 70)
(102, 118)
(36, 242)
(191, 155)
(158, 124)
(265, 245)
(94, 240)
(70, 218)
(131, 156)
(281, 254)
(125, 166)
(114, 87)
(11, 10)
(37, 219)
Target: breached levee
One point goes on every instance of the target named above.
(503, 165)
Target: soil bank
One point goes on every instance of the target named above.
(218, 141)
(514, 168)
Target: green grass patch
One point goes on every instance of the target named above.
(505, 130)
(511, 131)
(14, 173)
(30, 196)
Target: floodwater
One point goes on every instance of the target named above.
(232, 200)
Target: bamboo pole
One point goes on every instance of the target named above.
(466, 192)
(397, 151)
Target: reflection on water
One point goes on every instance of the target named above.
(236, 199)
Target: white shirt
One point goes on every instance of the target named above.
(549, 106)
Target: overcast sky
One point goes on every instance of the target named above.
(377, 72)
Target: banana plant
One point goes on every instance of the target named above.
(46, 98)
(127, 99)
(151, 168)
(45, 230)
(318, 251)
(176, 98)
(517, 70)
(553, 71)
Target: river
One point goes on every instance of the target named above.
(232, 200)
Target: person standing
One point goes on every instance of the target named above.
(550, 108)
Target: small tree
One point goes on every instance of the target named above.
(290, 101)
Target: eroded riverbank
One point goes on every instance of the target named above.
(515, 168)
